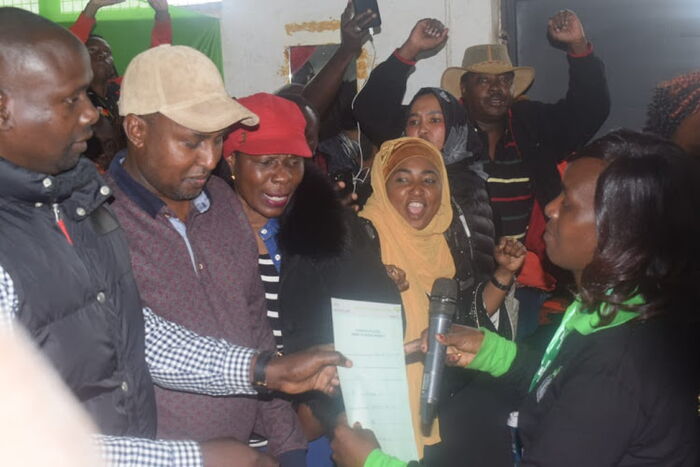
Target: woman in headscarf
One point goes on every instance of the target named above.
(438, 117)
(411, 212)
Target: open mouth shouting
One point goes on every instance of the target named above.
(276, 200)
(416, 209)
(418, 212)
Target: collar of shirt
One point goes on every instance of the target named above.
(268, 234)
(79, 190)
(140, 195)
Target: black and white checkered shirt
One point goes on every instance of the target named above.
(178, 359)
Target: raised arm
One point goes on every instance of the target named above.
(573, 120)
(510, 256)
(427, 35)
(162, 32)
(322, 89)
(83, 26)
(378, 106)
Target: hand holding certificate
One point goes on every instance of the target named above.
(375, 390)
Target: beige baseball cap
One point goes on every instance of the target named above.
(184, 85)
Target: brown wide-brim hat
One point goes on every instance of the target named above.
(487, 58)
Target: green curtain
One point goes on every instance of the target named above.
(128, 31)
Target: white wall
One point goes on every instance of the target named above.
(256, 34)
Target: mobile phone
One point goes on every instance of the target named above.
(363, 5)
(344, 176)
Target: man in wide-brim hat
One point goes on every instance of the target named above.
(488, 83)
(526, 139)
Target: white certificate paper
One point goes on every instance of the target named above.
(375, 390)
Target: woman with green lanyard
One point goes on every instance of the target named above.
(618, 383)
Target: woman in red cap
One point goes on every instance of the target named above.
(310, 247)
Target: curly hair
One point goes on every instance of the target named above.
(672, 102)
(646, 205)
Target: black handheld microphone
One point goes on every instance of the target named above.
(443, 304)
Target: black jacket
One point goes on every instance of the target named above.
(326, 253)
(78, 301)
(545, 133)
(625, 396)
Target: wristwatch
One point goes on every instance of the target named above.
(259, 378)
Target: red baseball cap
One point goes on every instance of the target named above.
(280, 131)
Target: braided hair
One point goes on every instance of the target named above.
(672, 102)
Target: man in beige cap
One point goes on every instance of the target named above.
(65, 273)
(192, 251)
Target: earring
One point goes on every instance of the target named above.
(233, 177)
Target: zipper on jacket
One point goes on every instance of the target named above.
(60, 223)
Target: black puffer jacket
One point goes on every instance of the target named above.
(470, 195)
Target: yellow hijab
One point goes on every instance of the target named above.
(423, 254)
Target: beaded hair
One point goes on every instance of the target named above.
(672, 102)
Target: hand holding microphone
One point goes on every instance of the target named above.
(462, 342)
(443, 304)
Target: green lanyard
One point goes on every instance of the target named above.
(576, 318)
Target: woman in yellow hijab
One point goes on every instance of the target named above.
(410, 209)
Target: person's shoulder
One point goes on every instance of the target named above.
(216, 185)
(6, 203)
(655, 360)
(118, 198)
(313, 224)
(635, 351)
(524, 105)
(221, 195)
(610, 345)
(361, 229)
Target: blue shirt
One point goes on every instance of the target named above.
(268, 234)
